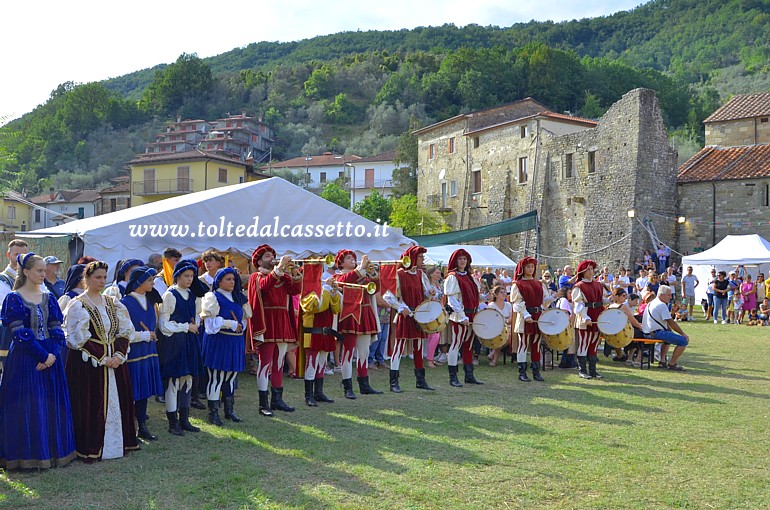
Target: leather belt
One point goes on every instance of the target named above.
(594, 304)
(469, 311)
(323, 331)
(534, 309)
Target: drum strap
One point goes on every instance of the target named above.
(534, 309)
(594, 304)
(469, 311)
(323, 331)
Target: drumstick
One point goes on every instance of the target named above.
(232, 313)
(143, 326)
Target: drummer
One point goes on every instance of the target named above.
(618, 301)
(529, 297)
(587, 297)
(412, 288)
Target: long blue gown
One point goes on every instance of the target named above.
(36, 428)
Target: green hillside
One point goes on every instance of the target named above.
(357, 92)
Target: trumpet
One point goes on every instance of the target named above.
(370, 287)
(328, 260)
(405, 261)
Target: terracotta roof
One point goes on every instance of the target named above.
(316, 161)
(571, 118)
(744, 106)
(123, 187)
(43, 198)
(385, 156)
(142, 159)
(548, 114)
(718, 164)
(14, 195)
(492, 116)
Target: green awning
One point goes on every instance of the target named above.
(527, 221)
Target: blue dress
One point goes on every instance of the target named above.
(180, 354)
(36, 428)
(143, 357)
(225, 350)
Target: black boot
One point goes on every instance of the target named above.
(229, 412)
(573, 361)
(173, 424)
(536, 371)
(319, 392)
(195, 402)
(214, 413)
(309, 397)
(394, 387)
(592, 367)
(184, 420)
(453, 381)
(276, 401)
(144, 433)
(264, 404)
(469, 378)
(422, 384)
(365, 389)
(347, 385)
(583, 372)
(523, 372)
(565, 360)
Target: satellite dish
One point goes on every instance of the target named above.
(442, 174)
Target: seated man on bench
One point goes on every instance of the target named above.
(657, 323)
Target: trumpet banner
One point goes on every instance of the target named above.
(388, 273)
(352, 302)
(311, 278)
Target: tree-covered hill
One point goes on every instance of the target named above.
(358, 92)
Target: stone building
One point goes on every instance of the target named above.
(582, 176)
(725, 188)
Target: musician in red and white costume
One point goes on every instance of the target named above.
(270, 289)
(357, 334)
(462, 294)
(587, 298)
(529, 297)
(412, 288)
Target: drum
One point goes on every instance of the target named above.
(430, 316)
(554, 325)
(489, 326)
(498, 342)
(615, 328)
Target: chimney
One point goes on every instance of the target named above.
(51, 193)
(179, 118)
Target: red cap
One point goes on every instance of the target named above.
(452, 266)
(341, 257)
(519, 273)
(261, 250)
(413, 252)
(585, 265)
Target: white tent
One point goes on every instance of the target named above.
(481, 255)
(751, 251)
(234, 218)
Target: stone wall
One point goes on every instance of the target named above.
(740, 208)
(624, 163)
(738, 132)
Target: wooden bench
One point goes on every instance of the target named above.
(647, 345)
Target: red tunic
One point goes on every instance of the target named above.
(277, 304)
(412, 294)
(368, 324)
(532, 292)
(593, 291)
(470, 293)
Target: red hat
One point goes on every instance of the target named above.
(341, 257)
(519, 273)
(413, 252)
(261, 250)
(585, 265)
(452, 266)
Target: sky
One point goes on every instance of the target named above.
(47, 43)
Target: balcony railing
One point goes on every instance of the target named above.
(163, 187)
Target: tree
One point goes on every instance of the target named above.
(336, 195)
(187, 79)
(414, 219)
(405, 177)
(375, 207)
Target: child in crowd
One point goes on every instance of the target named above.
(735, 305)
(753, 318)
(680, 311)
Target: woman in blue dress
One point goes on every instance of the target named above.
(225, 311)
(143, 356)
(74, 285)
(36, 428)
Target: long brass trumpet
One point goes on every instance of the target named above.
(328, 260)
(370, 287)
(405, 261)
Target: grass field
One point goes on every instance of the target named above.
(646, 439)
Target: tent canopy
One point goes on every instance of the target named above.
(750, 249)
(522, 223)
(236, 219)
(482, 255)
